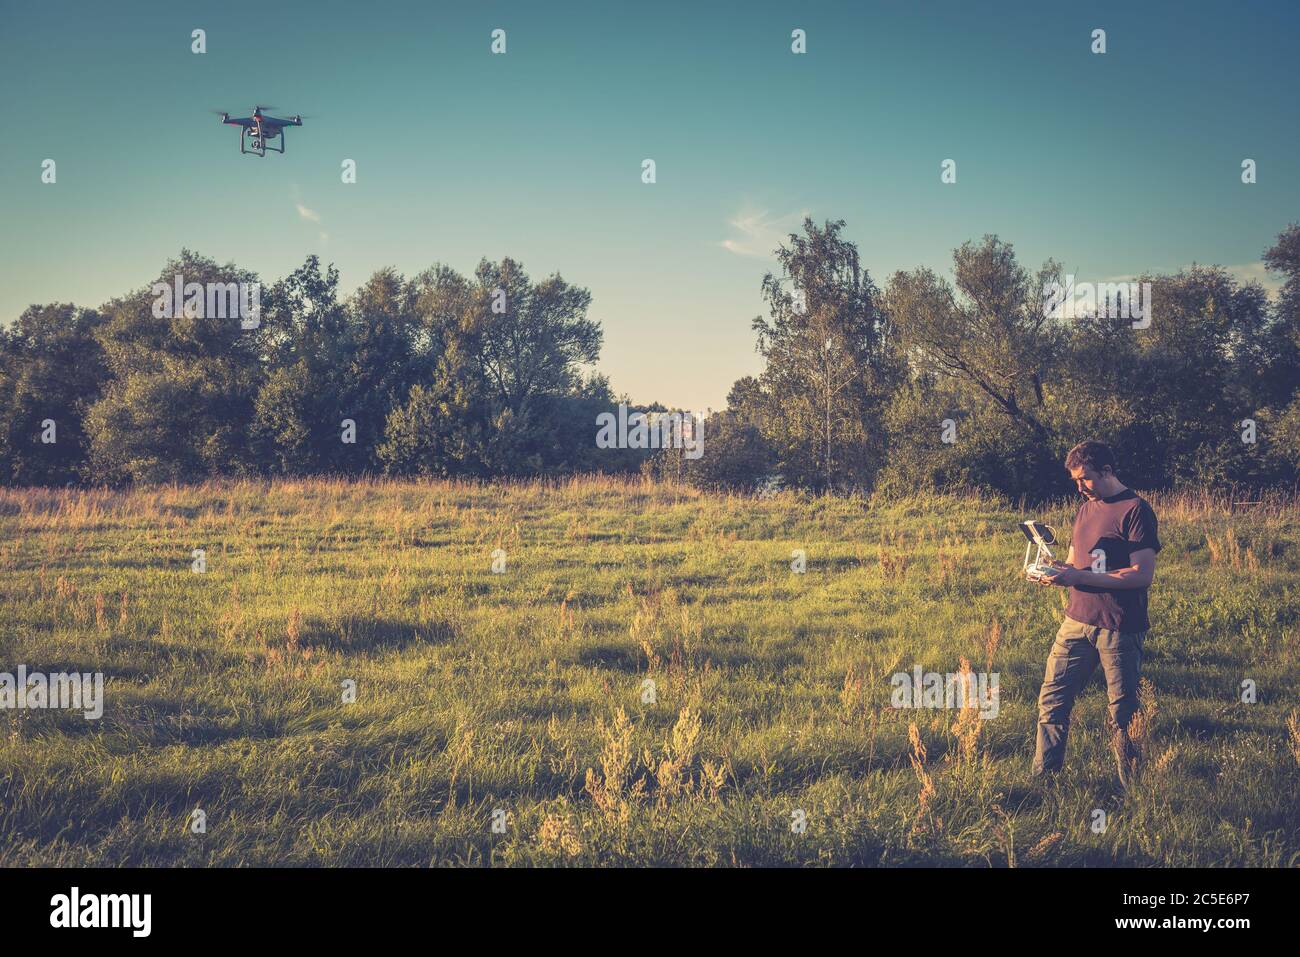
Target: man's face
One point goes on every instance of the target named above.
(1089, 481)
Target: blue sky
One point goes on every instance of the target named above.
(1113, 164)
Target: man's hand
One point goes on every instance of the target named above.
(1137, 575)
(1066, 576)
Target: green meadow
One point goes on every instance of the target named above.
(644, 679)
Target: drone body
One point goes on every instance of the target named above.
(263, 128)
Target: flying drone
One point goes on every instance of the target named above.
(264, 130)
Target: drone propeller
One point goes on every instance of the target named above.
(264, 107)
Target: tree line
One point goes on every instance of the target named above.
(438, 375)
(924, 383)
(931, 383)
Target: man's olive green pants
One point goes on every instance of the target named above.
(1075, 654)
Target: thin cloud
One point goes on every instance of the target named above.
(307, 214)
(1256, 272)
(760, 232)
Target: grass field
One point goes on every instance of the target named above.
(519, 698)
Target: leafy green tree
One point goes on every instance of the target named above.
(830, 362)
(572, 440)
(442, 427)
(1280, 391)
(51, 370)
(181, 401)
(991, 332)
(533, 338)
(1170, 397)
(387, 349)
(1197, 380)
(498, 387)
(735, 455)
(310, 347)
(944, 434)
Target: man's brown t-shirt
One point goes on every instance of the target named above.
(1118, 526)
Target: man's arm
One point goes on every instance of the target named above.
(1138, 575)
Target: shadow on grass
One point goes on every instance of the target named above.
(109, 670)
(626, 660)
(633, 660)
(358, 634)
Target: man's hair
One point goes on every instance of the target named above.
(1092, 454)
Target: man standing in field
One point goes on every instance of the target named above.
(1111, 563)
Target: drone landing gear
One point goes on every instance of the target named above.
(258, 147)
(260, 144)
